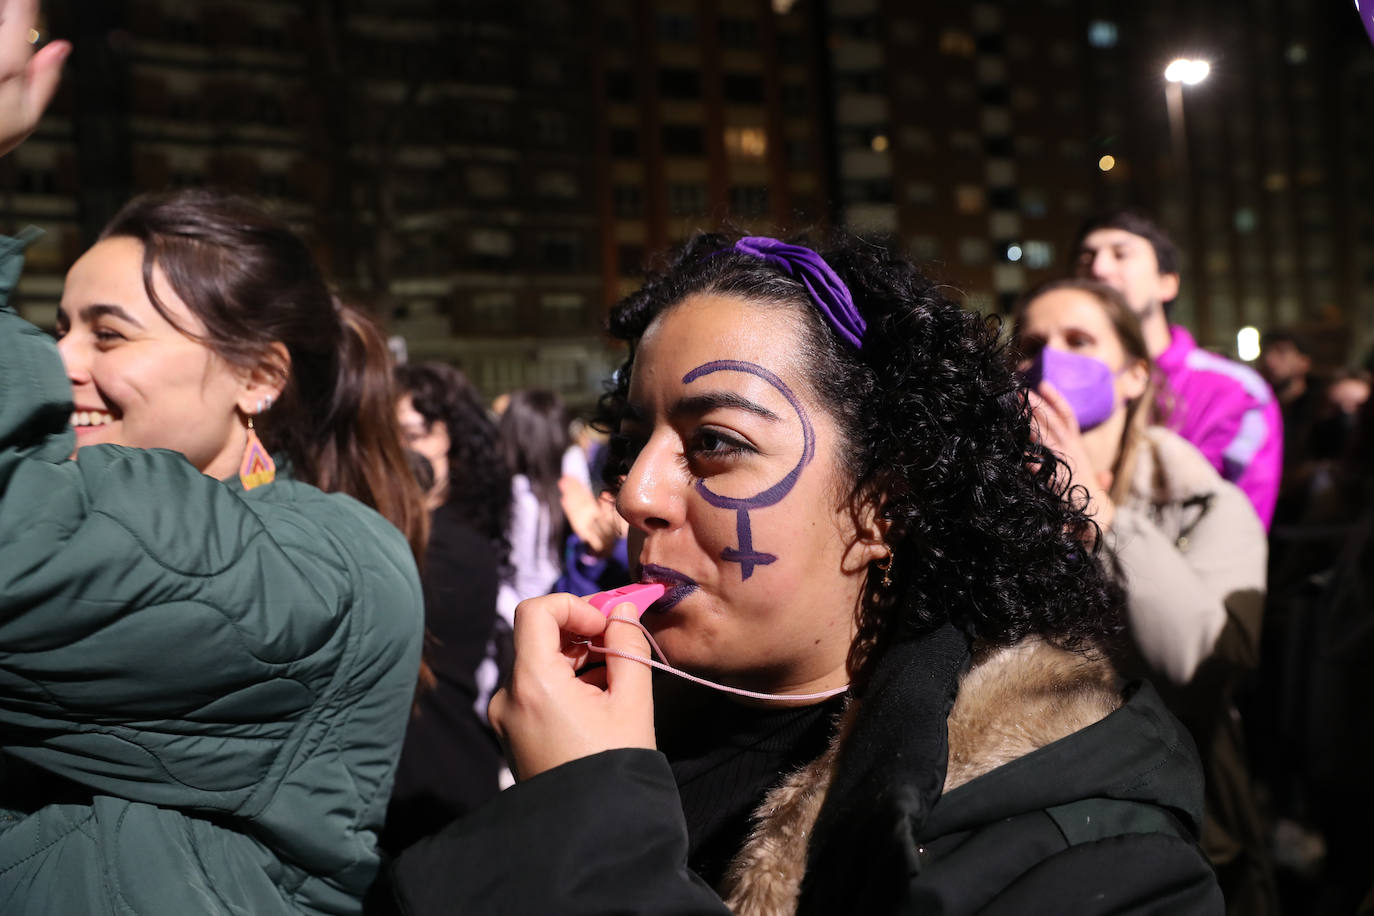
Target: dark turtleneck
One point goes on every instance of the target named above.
(725, 756)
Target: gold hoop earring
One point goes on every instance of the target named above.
(885, 566)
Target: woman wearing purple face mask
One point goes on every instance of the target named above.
(1186, 545)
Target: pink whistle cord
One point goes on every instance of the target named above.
(663, 666)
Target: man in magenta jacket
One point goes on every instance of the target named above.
(1222, 407)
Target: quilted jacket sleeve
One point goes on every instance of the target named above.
(157, 640)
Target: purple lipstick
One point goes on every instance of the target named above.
(678, 586)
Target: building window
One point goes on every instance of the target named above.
(1034, 203)
(488, 182)
(1038, 254)
(491, 244)
(917, 140)
(629, 201)
(550, 128)
(870, 191)
(969, 199)
(679, 27)
(960, 90)
(746, 142)
(796, 99)
(559, 251)
(739, 33)
(925, 248)
(799, 154)
(493, 311)
(920, 193)
(624, 142)
(1003, 198)
(743, 87)
(974, 252)
(562, 311)
(556, 184)
(630, 260)
(620, 86)
(679, 84)
(965, 143)
(749, 200)
(1102, 33)
(682, 140)
(686, 199)
(956, 43)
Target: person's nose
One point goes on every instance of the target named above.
(1102, 264)
(75, 358)
(652, 495)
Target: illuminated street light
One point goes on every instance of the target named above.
(1106, 163)
(1187, 71)
(1248, 344)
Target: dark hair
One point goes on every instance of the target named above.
(1136, 223)
(935, 432)
(534, 434)
(254, 285)
(479, 480)
(1291, 336)
(1126, 325)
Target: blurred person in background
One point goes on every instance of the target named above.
(451, 761)
(534, 438)
(1186, 545)
(1222, 407)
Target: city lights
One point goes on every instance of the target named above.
(1013, 252)
(1106, 163)
(1248, 344)
(1189, 72)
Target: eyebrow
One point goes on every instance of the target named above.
(698, 404)
(89, 313)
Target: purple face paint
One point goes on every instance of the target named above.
(1085, 382)
(746, 556)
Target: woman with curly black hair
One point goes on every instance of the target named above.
(831, 470)
(451, 761)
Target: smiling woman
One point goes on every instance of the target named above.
(833, 471)
(207, 649)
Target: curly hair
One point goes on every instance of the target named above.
(935, 433)
(479, 477)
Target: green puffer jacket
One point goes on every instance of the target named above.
(203, 690)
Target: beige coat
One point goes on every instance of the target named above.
(1192, 555)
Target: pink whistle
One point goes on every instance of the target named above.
(640, 595)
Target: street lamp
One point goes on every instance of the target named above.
(1179, 72)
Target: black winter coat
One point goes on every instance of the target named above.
(1044, 788)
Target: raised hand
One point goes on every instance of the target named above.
(28, 80)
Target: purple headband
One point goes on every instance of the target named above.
(827, 290)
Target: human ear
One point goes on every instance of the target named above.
(264, 382)
(1133, 380)
(869, 544)
(1168, 287)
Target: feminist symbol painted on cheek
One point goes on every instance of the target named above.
(746, 555)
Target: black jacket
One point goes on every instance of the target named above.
(1101, 820)
(451, 759)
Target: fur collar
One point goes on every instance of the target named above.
(1010, 702)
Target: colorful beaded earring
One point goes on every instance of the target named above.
(257, 467)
